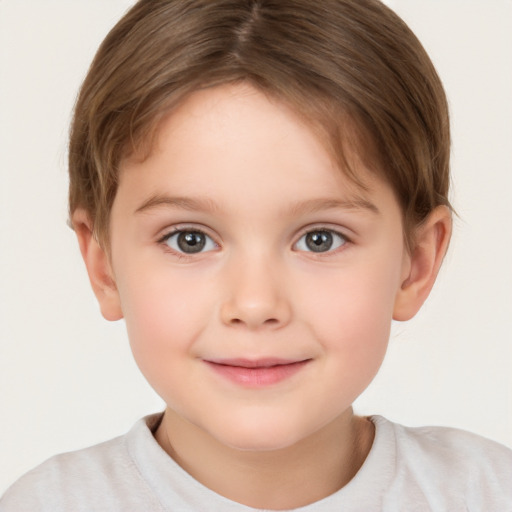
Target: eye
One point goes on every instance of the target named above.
(189, 241)
(320, 240)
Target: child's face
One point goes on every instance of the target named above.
(238, 244)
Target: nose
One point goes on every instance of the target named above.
(256, 296)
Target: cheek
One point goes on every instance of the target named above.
(165, 313)
(351, 315)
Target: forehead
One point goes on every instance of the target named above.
(236, 139)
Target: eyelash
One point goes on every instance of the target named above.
(164, 241)
(332, 232)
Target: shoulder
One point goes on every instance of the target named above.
(453, 448)
(451, 462)
(93, 477)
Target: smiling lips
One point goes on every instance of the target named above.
(256, 373)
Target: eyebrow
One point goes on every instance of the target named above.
(186, 203)
(205, 204)
(316, 205)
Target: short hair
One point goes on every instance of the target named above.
(351, 68)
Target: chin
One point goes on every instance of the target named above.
(260, 436)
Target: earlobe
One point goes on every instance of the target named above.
(98, 267)
(430, 245)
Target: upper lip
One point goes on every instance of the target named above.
(266, 362)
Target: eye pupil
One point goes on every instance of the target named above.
(191, 241)
(319, 241)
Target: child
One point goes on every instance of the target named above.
(258, 188)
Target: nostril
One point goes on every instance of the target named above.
(254, 314)
(268, 322)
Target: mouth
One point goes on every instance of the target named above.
(258, 372)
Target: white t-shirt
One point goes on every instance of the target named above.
(407, 469)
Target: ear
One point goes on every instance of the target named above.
(98, 267)
(424, 261)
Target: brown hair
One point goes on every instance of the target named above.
(350, 67)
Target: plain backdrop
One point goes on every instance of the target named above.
(67, 379)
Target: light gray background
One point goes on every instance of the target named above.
(67, 379)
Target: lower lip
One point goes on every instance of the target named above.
(260, 376)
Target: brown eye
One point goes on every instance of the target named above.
(322, 240)
(190, 242)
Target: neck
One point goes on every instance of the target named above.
(287, 478)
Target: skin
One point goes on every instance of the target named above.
(250, 175)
